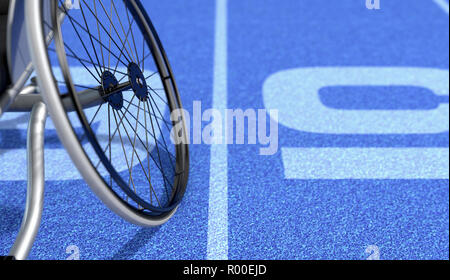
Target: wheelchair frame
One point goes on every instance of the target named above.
(18, 98)
(21, 98)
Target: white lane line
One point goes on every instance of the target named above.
(218, 178)
(442, 4)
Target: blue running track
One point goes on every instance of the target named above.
(362, 163)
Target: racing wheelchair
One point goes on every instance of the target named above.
(98, 68)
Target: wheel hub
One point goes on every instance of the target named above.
(137, 81)
(109, 83)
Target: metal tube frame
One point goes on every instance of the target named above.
(36, 181)
(30, 99)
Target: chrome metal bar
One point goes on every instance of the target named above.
(88, 98)
(36, 180)
(30, 96)
(6, 99)
(119, 88)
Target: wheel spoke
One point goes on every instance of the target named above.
(79, 37)
(109, 141)
(134, 41)
(123, 30)
(154, 102)
(162, 99)
(148, 153)
(123, 149)
(153, 135)
(110, 27)
(139, 159)
(160, 131)
(80, 86)
(134, 145)
(95, 38)
(98, 30)
(146, 56)
(87, 61)
(114, 134)
(121, 50)
(149, 113)
(157, 150)
(90, 37)
(108, 16)
(142, 143)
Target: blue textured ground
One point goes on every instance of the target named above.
(269, 216)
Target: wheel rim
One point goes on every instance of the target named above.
(147, 123)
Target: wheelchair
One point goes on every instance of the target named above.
(98, 68)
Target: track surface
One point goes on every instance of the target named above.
(295, 204)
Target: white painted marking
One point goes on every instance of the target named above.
(295, 93)
(442, 4)
(218, 190)
(296, 90)
(366, 163)
(55, 161)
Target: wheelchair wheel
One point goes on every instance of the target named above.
(113, 100)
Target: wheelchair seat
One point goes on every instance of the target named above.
(4, 75)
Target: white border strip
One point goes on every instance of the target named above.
(365, 163)
(218, 178)
(442, 4)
